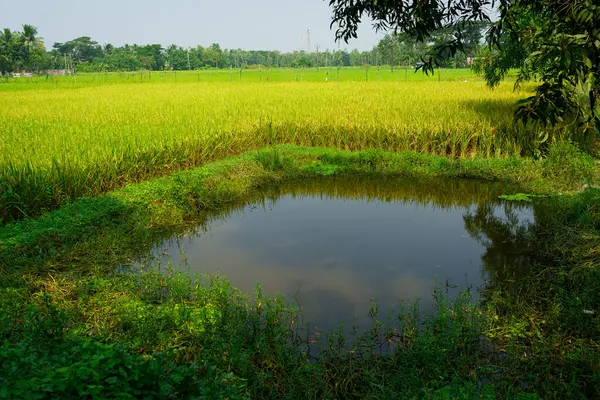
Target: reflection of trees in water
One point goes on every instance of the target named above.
(511, 248)
(502, 234)
(437, 193)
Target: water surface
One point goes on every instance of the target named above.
(334, 245)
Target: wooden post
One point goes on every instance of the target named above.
(393, 53)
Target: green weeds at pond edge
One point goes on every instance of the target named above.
(71, 328)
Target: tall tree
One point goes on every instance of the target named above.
(34, 44)
(30, 36)
(82, 49)
(7, 61)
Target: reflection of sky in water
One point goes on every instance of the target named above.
(335, 255)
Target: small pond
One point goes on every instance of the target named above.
(334, 245)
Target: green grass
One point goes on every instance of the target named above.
(137, 211)
(138, 335)
(71, 327)
(330, 74)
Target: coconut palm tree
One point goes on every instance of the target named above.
(31, 39)
(30, 33)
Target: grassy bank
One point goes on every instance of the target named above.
(72, 327)
(139, 211)
(58, 144)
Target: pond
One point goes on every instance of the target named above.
(335, 245)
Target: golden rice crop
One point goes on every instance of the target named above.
(59, 144)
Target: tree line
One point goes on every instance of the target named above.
(25, 51)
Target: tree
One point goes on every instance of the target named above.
(303, 62)
(214, 55)
(177, 57)
(563, 49)
(356, 58)
(7, 44)
(30, 36)
(153, 56)
(82, 49)
(108, 48)
(34, 45)
(197, 57)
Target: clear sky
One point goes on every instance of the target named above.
(258, 24)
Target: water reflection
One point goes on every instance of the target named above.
(335, 244)
(504, 237)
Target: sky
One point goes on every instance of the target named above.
(259, 24)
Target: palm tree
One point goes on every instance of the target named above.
(31, 39)
(30, 35)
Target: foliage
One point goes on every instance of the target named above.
(20, 49)
(559, 39)
(79, 50)
(83, 54)
(404, 49)
(83, 369)
(140, 212)
(566, 159)
(517, 197)
(565, 55)
(71, 327)
(543, 302)
(495, 63)
(140, 335)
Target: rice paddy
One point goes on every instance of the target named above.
(78, 321)
(68, 137)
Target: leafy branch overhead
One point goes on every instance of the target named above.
(554, 41)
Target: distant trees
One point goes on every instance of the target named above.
(80, 50)
(151, 56)
(25, 51)
(403, 49)
(20, 50)
(7, 50)
(213, 56)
